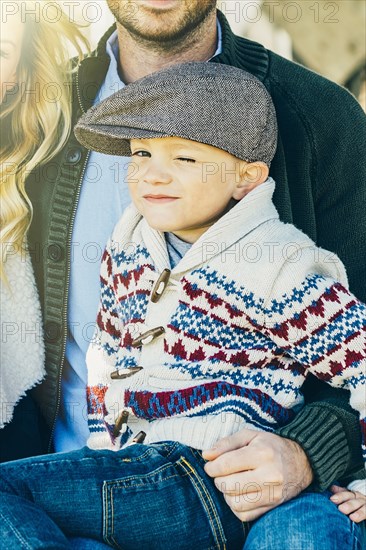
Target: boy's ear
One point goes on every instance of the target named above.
(252, 174)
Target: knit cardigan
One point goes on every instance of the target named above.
(22, 349)
(248, 312)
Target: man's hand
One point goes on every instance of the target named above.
(257, 471)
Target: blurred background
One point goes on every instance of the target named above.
(328, 37)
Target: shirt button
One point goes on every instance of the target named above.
(73, 155)
(55, 252)
(52, 331)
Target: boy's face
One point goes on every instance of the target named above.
(181, 186)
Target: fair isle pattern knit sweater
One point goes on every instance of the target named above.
(248, 312)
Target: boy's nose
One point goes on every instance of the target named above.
(156, 175)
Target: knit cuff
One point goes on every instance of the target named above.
(321, 435)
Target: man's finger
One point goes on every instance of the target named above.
(359, 515)
(231, 462)
(350, 506)
(230, 443)
(342, 496)
(249, 483)
(337, 489)
(240, 509)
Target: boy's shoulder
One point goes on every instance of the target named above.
(295, 257)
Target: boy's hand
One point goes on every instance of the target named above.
(257, 471)
(350, 503)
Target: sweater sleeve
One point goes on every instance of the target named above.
(321, 325)
(102, 355)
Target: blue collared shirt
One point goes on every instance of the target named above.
(103, 198)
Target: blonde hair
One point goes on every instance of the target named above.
(38, 122)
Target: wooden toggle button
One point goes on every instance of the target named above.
(160, 285)
(122, 419)
(117, 375)
(147, 337)
(139, 438)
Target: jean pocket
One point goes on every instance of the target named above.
(169, 508)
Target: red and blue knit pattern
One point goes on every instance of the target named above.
(206, 399)
(235, 352)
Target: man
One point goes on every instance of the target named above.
(79, 197)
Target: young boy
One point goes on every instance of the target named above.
(212, 314)
(207, 182)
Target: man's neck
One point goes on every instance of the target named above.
(138, 59)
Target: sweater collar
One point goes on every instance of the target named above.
(252, 211)
(236, 51)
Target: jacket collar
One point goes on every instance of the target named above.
(240, 52)
(236, 51)
(92, 71)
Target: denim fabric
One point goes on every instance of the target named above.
(309, 522)
(77, 543)
(155, 496)
(151, 497)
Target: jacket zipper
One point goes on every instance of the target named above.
(64, 314)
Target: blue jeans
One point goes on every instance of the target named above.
(150, 497)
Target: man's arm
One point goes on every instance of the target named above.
(257, 471)
(328, 431)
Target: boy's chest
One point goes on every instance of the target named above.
(201, 322)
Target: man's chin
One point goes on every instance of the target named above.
(163, 22)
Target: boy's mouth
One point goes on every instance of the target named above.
(160, 198)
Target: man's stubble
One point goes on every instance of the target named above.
(162, 30)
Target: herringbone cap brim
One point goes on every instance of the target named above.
(206, 102)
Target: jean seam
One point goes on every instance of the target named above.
(172, 449)
(16, 533)
(137, 458)
(108, 526)
(108, 501)
(356, 541)
(112, 520)
(122, 482)
(105, 512)
(201, 488)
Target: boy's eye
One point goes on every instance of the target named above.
(4, 54)
(141, 153)
(186, 159)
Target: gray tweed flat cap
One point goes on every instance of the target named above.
(206, 102)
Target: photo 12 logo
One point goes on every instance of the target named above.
(252, 11)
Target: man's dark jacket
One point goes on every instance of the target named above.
(320, 172)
